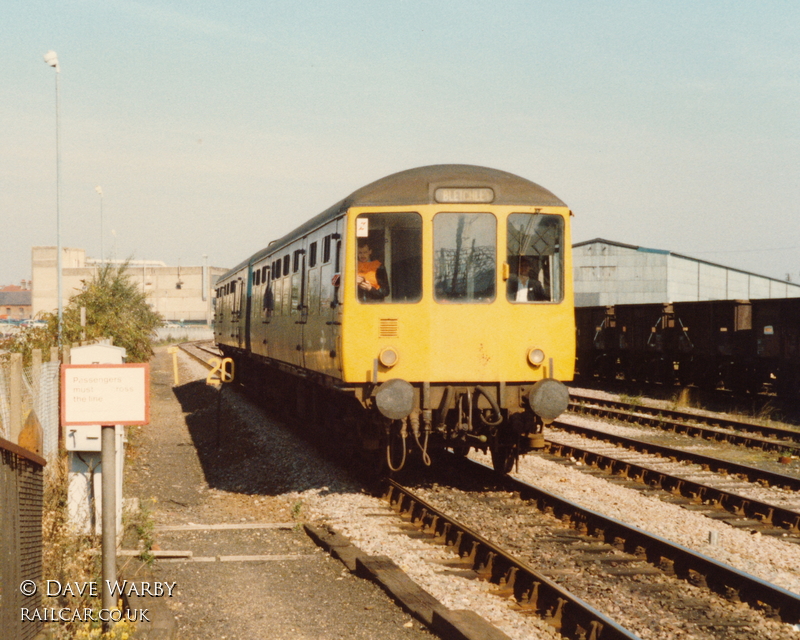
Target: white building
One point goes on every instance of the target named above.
(608, 273)
(180, 294)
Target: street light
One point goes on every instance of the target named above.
(100, 191)
(52, 59)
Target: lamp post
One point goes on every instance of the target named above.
(102, 256)
(52, 59)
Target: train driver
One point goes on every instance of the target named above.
(525, 286)
(372, 281)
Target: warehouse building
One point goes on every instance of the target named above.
(180, 294)
(608, 273)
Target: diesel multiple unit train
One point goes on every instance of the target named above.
(743, 345)
(430, 309)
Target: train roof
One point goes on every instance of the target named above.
(418, 187)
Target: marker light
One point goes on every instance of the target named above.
(388, 357)
(536, 357)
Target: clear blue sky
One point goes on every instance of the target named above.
(214, 127)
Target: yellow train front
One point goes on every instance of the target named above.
(430, 309)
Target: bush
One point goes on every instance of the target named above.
(115, 308)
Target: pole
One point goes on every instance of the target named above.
(102, 254)
(58, 206)
(109, 516)
(52, 60)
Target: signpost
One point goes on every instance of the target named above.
(106, 394)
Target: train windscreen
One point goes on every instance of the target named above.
(535, 257)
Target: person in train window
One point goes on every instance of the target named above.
(524, 286)
(372, 281)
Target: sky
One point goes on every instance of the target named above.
(214, 127)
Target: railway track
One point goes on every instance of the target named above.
(533, 592)
(201, 350)
(719, 465)
(721, 489)
(714, 428)
(597, 549)
(579, 549)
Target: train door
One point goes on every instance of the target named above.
(261, 307)
(323, 320)
(278, 332)
(299, 306)
(248, 296)
(236, 287)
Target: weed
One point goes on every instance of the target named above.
(71, 557)
(297, 509)
(145, 526)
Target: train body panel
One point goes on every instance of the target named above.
(437, 335)
(445, 291)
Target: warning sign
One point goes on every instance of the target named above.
(105, 394)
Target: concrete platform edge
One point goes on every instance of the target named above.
(446, 623)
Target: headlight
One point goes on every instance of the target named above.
(536, 357)
(549, 399)
(388, 357)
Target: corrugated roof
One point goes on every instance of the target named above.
(634, 247)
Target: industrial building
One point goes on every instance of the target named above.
(180, 294)
(609, 273)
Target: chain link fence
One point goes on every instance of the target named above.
(33, 393)
(27, 395)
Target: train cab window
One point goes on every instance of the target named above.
(389, 257)
(535, 257)
(464, 257)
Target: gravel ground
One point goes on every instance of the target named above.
(189, 476)
(258, 471)
(755, 458)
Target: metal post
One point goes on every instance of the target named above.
(109, 515)
(59, 265)
(52, 59)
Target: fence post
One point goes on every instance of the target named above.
(15, 397)
(36, 370)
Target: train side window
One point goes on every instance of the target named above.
(464, 257)
(312, 255)
(535, 257)
(389, 257)
(326, 249)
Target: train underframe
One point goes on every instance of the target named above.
(388, 424)
(739, 375)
